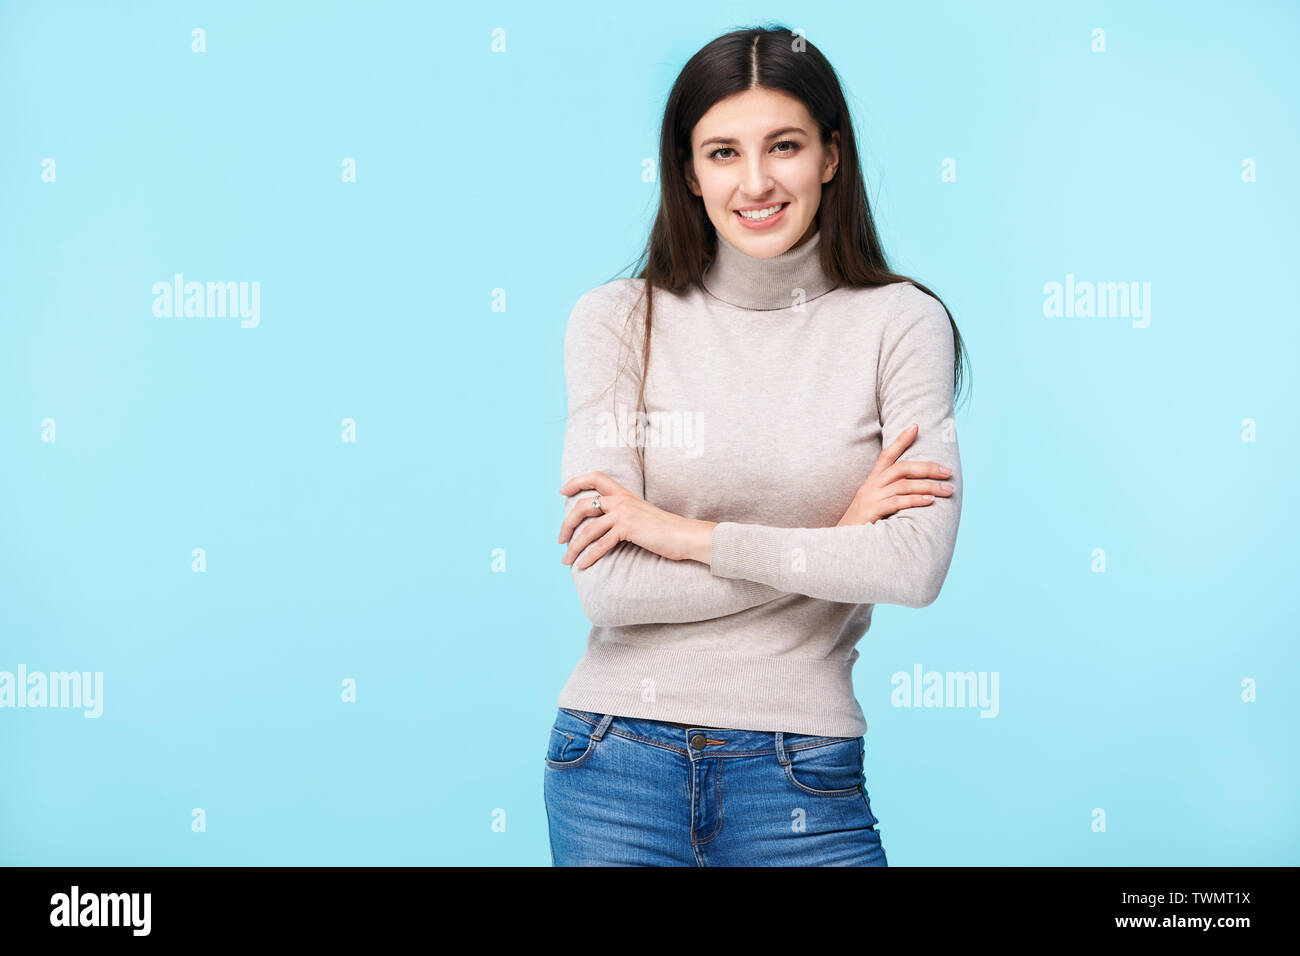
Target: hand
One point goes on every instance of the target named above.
(894, 485)
(628, 517)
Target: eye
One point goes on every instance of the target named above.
(794, 148)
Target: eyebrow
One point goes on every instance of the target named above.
(728, 141)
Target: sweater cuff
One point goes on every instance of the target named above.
(743, 551)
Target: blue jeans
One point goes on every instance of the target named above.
(626, 791)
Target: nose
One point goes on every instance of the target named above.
(758, 182)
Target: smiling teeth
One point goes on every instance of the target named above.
(761, 213)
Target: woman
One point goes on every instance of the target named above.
(722, 538)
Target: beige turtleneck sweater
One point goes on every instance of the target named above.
(770, 395)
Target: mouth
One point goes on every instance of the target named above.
(763, 218)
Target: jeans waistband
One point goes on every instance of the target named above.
(700, 741)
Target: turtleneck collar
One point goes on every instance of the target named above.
(742, 280)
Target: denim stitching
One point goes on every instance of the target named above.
(820, 793)
(845, 792)
(717, 802)
(566, 764)
(809, 745)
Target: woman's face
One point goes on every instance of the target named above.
(757, 150)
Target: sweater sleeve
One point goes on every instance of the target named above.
(902, 558)
(628, 584)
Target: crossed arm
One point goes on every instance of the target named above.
(901, 559)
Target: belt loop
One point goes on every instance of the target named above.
(602, 727)
(782, 759)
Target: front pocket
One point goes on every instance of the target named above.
(571, 741)
(827, 770)
(560, 745)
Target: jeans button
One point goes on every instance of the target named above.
(697, 741)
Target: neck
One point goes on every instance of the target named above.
(747, 282)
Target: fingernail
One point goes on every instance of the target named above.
(945, 486)
(945, 471)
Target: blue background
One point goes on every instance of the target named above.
(521, 171)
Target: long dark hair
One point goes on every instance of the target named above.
(682, 240)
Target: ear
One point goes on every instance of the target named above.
(832, 163)
(688, 171)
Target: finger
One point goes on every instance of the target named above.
(583, 482)
(920, 486)
(896, 447)
(593, 479)
(574, 521)
(585, 535)
(568, 524)
(916, 469)
(578, 514)
(599, 549)
(899, 502)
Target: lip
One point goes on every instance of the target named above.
(767, 223)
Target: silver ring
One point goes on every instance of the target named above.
(595, 502)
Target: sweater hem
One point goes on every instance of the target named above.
(797, 695)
